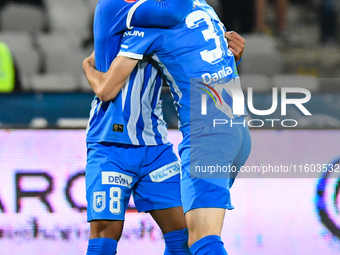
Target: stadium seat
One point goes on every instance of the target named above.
(72, 122)
(84, 85)
(217, 6)
(25, 55)
(54, 83)
(261, 56)
(70, 17)
(22, 17)
(259, 83)
(319, 121)
(329, 85)
(26, 82)
(38, 122)
(16, 39)
(296, 81)
(61, 54)
(92, 3)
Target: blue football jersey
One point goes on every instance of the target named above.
(199, 67)
(135, 115)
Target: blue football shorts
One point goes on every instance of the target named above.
(115, 171)
(211, 159)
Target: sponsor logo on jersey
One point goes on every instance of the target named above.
(115, 178)
(99, 201)
(165, 172)
(118, 128)
(130, 1)
(214, 77)
(134, 33)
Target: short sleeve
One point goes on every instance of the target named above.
(159, 14)
(139, 42)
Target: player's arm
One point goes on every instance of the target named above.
(158, 13)
(236, 44)
(133, 48)
(107, 85)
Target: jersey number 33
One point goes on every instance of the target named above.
(193, 21)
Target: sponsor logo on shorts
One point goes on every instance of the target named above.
(165, 172)
(99, 201)
(116, 179)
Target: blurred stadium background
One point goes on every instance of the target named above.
(42, 161)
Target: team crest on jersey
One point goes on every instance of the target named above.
(118, 128)
(130, 1)
(99, 201)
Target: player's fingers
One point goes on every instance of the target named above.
(234, 36)
(239, 38)
(233, 51)
(237, 50)
(91, 58)
(228, 35)
(235, 46)
(236, 53)
(85, 62)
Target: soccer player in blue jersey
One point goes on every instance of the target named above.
(194, 57)
(127, 148)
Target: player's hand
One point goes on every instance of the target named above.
(89, 61)
(236, 44)
(89, 69)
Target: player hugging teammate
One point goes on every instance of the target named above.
(127, 134)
